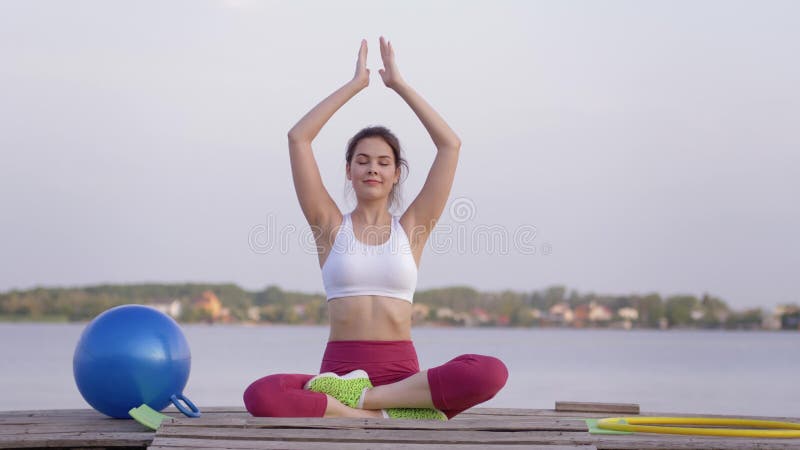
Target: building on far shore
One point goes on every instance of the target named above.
(172, 309)
(560, 314)
(773, 321)
(209, 305)
(628, 313)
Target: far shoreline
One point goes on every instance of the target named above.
(58, 321)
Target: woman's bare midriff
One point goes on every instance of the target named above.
(369, 318)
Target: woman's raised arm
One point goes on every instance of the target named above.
(442, 135)
(317, 205)
(423, 213)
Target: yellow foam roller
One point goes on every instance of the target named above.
(755, 428)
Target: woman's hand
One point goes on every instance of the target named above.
(361, 77)
(390, 74)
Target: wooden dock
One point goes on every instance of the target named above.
(560, 428)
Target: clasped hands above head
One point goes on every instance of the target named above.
(390, 74)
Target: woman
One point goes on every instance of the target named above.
(369, 260)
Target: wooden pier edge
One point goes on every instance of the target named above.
(561, 428)
(610, 408)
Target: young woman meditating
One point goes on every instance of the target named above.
(369, 260)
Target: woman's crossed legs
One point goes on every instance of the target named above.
(453, 387)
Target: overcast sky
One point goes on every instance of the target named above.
(619, 147)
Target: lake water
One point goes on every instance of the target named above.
(740, 373)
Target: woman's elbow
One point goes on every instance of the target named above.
(454, 141)
(451, 144)
(297, 138)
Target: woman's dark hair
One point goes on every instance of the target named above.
(395, 196)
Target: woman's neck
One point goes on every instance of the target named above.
(371, 216)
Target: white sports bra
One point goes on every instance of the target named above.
(354, 268)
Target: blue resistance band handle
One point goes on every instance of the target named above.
(176, 398)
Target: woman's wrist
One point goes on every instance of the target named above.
(358, 84)
(399, 86)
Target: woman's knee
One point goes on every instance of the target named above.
(259, 396)
(282, 395)
(489, 373)
(495, 373)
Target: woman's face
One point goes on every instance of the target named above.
(373, 159)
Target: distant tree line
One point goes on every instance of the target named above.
(275, 305)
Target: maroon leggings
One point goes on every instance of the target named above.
(457, 385)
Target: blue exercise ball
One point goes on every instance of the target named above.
(132, 355)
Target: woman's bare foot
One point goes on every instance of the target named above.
(338, 409)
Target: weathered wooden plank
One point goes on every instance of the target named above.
(77, 440)
(67, 413)
(90, 416)
(442, 436)
(87, 412)
(239, 409)
(51, 413)
(517, 424)
(611, 408)
(502, 411)
(520, 424)
(175, 443)
(22, 420)
(646, 441)
(85, 416)
(49, 428)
